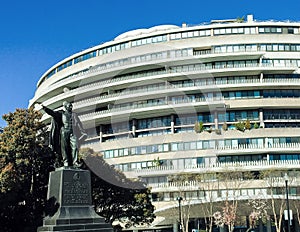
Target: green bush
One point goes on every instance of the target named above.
(198, 127)
(248, 124)
(240, 126)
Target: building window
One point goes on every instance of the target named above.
(267, 30)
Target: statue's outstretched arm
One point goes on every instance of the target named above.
(49, 111)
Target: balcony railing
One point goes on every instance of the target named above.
(203, 85)
(219, 167)
(152, 57)
(214, 100)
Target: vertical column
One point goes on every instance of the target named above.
(175, 226)
(261, 226)
(133, 129)
(261, 78)
(260, 62)
(172, 123)
(269, 227)
(100, 133)
(222, 229)
(296, 223)
(216, 119)
(261, 118)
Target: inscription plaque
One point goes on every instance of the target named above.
(75, 192)
(76, 189)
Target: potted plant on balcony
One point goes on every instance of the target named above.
(198, 127)
(240, 126)
(248, 125)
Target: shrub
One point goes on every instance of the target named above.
(198, 127)
(218, 131)
(248, 124)
(240, 126)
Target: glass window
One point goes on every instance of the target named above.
(180, 146)
(235, 30)
(231, 95)
(203, 33)
(216, 31)
(240, 30)
(217, 49)
(280, 47)
(234, 143)
(193, 145)
(221, 143)
(174, 146)
(247, 30)
(269, 47)
(199, 145)
(205, 144)
(138, 166)
(133, 165)
(173, 36)
(184, 35)
(275, 47)
(228, 30)
(166, 147)
(196, 33)
(256, 94)
(293, 191)
(230, 48)
(126, 151)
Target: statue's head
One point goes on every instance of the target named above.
(67, 106)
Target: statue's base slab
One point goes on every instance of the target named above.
(69, 190)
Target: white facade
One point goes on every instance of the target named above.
(140, 95)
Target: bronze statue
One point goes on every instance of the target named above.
(66, 133)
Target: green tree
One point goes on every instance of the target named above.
(24, 166)
(117, 198)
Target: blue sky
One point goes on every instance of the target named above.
(35, 34)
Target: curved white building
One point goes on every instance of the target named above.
(140, 95)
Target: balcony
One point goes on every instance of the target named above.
(218, 167)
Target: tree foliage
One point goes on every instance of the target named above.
(24, 166)
(117, 198)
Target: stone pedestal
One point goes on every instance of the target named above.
(69, 191)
